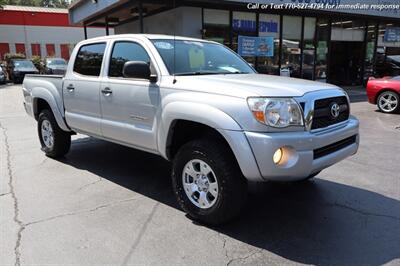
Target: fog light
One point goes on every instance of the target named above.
(278, 156)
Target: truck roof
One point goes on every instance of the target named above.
(144, 36)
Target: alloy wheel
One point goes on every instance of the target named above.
(47, 134)
(200, 184)
(388, 102)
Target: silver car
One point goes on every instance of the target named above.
(199, 105)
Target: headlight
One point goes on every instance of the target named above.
(276, 112)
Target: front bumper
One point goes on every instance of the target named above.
(300, 162)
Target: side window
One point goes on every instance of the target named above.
(89, 59)
(123, 52)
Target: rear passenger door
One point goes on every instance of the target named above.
(81, 90)
(129, 105)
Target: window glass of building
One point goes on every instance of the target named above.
(369, 52)
(291, 50)
(216, 26)
(322, 36)
(388, 50)
(244, 24)
(269, 26)
(124, 52)
(89, 59)
(309, 48)
(347, 46)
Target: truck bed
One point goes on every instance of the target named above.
(44, 85)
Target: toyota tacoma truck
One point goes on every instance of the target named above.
(199, 105)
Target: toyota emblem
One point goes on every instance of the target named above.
(335, 110)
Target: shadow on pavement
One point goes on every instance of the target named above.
(318, 222)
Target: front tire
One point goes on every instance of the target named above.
(55, 142)
(208, 182)
(389, 102)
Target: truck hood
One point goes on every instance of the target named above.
(246, 85)
(25, 69)
(57, 67)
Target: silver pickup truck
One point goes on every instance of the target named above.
(199, 105)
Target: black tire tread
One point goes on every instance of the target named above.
(233, 191)
(62, 139)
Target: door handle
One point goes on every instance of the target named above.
(70, 88)
(106, 91)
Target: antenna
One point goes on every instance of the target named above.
(174, 67)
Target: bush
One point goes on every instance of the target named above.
(9, 56)
(37, 61)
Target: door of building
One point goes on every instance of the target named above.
(346, 63)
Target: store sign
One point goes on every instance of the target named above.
(392, 34)
(244, 25)
(269, 26)
(251, 26)
(256, 46)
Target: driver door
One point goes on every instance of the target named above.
(128, 105)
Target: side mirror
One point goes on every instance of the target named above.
(137, 70)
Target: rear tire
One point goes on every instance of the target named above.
(389, 102)
(224, 189)
(55, 142)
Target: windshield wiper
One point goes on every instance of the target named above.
(238, 72)
(198, 73)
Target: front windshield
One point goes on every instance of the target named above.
(199, 58)
(56, 62)
(27, 64)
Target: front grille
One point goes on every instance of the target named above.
(321, 152)
(322, 112)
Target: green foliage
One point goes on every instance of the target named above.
(37, 61)
(9, 56)
(3, 2)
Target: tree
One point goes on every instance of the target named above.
(54, 3)
(27, 3)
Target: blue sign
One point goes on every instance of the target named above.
(244, 25)
(268, 26)
(256, 46)
(251, 26)
(392, 34)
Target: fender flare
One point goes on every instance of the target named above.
(45, 94)
(193, 112)
(210, 116)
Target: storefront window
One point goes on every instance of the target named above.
(269, 26)
(216, 26)
(309, 48)
(369, 52)
(322, 36)
(243, 24)
(291, 50)
(388, 50)
(347, 46)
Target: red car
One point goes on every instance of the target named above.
(385, 93)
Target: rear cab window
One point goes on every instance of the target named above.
(89, 59)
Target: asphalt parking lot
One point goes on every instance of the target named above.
(107, 204)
